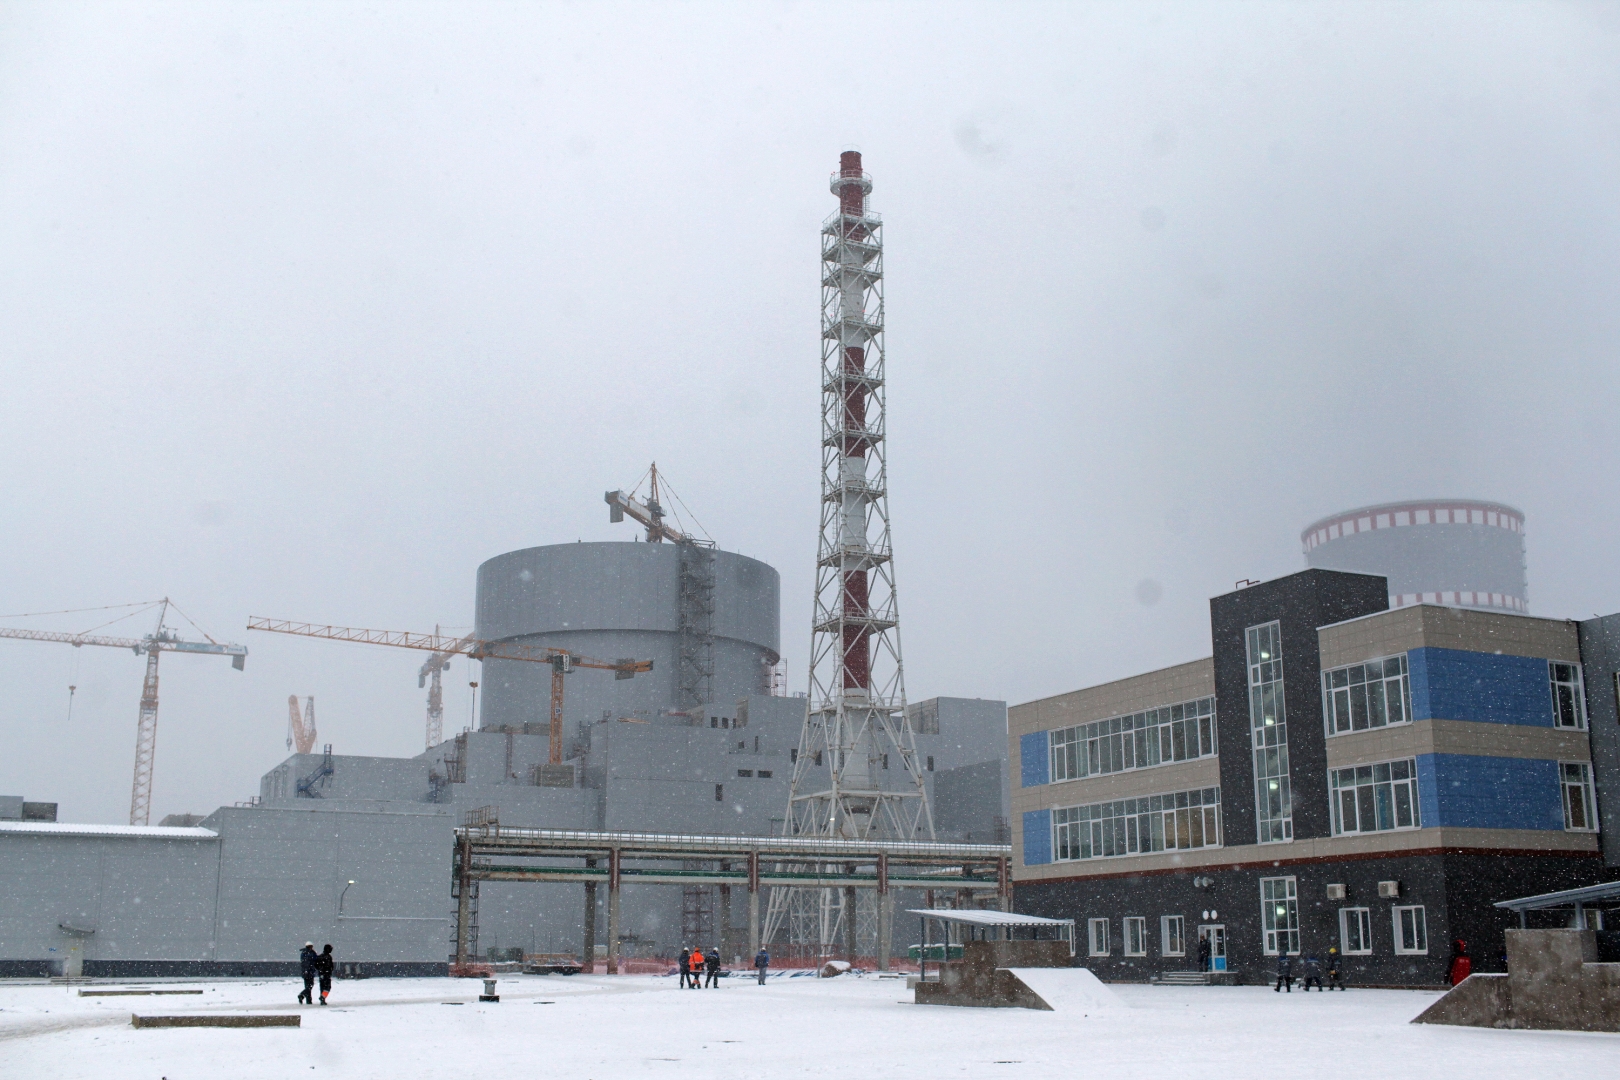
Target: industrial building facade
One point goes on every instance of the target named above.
(1339, 773)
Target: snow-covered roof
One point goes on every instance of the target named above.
(150, 832)
(980, 917)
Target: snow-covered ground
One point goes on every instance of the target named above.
(601, 1027)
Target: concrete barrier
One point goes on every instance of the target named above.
(1553, 983)
(223, 1020)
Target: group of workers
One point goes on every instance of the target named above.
(693, 965)
(1313, 968)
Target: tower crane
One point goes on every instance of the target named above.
(433, 667)
(156, 643)
(649, 513)
(300, 729)
(561, 660)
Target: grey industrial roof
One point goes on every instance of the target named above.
(980, 917)
(1566, 898)
(156, 832)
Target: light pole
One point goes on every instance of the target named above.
(341, 895)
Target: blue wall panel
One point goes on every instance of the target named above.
(1450, 684)
(1469, 792)
(1034, 750)
(1037, 837)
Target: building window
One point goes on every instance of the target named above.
(1569, 701)
(1172, 935)
(719, 793)
(1374, 694)
(1098, 933)
(1175, 822)
(1279, 915)
(1576, 779)
(1268, 724)
(1141, 740)
(1375, 798)
(764, 774)
(1135, 935)
(1411, 932)
(745, 772)
(1355, 931)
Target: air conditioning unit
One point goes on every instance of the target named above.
(1389, 890)
(1335, 892)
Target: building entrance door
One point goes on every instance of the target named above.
(1216, 936)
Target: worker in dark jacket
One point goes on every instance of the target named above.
(306, 968)
(1203, 954)
(714, 968)
(684, 966)
(1285, 972)
(1313, 973)
(1335, 970)
(762, 960)
(323, 967)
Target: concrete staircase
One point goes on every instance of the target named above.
(1180, 978)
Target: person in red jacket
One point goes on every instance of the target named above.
(697, 968)
(1461, 965)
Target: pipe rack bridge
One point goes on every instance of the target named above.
(486, 851)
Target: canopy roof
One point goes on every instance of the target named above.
(980, 917)
(1591, 894)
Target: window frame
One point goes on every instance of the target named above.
(1158, 819)
(1420, 924)
(1268, 928)
(1097, 931)
(1137, 923)
(1588, 795)
(1372, 803)
(1363, 916)
(1179, 938)
(1102, 747)
(1330, 693)
(1577, 692)
(1266, 683)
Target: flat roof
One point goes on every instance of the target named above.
(1449, 609)
(1566, 898)
(981, 917)
(150, 832)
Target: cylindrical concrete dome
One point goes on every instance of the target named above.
(617, 601)
(1457, 552)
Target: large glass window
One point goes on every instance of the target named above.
(1098, 933)
(1173, 822)
(1135, 935)
(1569, 702)
(1374, 798)
(1373, 694)
(1411, 930)
(1575, 777)
(1268, 724)
(1279, 914)
(1172, 935)
(1355, 931)
(1141, 740)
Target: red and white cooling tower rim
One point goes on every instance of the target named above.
(1419, 513)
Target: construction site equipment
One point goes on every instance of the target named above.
(694, 676)
(300, 729)
(432, 668)
(487, 851)
(856, 772)
(562, 662)
(159, 641)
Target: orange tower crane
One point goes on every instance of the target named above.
(561, 660)
(300, 729)
(160, 641)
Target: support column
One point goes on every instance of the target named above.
(463, 899)
(885, 914)
(613, 912)
(721, 942)
(1004, 892)
(590, 922)
(851, 916)
(753, 905)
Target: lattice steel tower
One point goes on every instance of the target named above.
(856, 772)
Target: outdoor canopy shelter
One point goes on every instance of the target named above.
(982, 922)
(1580, 899)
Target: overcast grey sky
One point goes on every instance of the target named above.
(307, 310)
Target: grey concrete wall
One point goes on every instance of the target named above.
(1600, 659)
